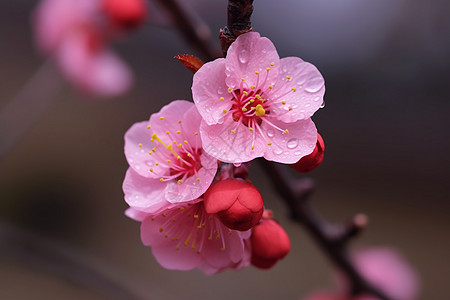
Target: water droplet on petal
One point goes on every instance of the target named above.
(243, 56)
(323, 104)
(314, 84)
(270, 133)
(237, 165)
(298, 153)
(277, 151)
(292, 143)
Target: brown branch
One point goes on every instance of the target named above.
(186, 25)
(239, 14)
(332, 239)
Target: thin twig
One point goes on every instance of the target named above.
(192, 33)
(331, 238)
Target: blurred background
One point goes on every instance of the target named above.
(386, 65)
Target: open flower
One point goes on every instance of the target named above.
(75, 34)
(187, 237)
(255, 104)
(167, 162)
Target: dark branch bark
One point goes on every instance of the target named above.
(239, 14)
(332, 239)
(186, 26)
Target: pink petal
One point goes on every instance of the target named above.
(137, 148)
(171, 114)
(207, 89)
(183, 259)
(250, 53)
(191, 188)
(98, 72)
(309, 90)
(135, 214)
(288, 148)
(387, 269)
(144, 194)
(221, 143)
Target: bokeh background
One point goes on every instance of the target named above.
(386, 127)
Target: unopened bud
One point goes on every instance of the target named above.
(126, 14)
(311, 161)
(237, 203)
(270, 243)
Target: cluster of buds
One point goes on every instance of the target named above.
(76, 33)
(188, 177)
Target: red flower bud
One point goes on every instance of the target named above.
(237, 203)
(270, 243)
(311, 161)
(126, 14)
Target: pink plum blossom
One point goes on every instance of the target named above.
(74, 33)
(167, 162)
(187, 237)
(388, 270)
(254, 104)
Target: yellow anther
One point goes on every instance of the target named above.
(185, 142)
(223, 249)
(151, 152)
(290, 107)
(161, 179)
(294, 89)
(161, 118)
(151, 169)
(242, 79)
(189, 155)
(178, 131)
(233, 131)
(179, 122)
(161, 229)
(245, 93)
(195, 216)
(155, 137)
(175, 142)
(177, 248)
(210, 238)
(288, 77)
(244, 109)
(252, 87)
(272, 64)
(222, 98)
(198, 179)
(269, 144)
(169, 161)
(196, 133)
(180, 145)
(287, 131)
(253, 147)
(268, 69)
(140, 145)
(180, 181)
(251, 129)
(182, 208)
(224, 111)
(270, 86)
(252, 100)
(157, 164)
(256, 72)
(148, 127)
(167, 132)
(178, 157)
(283, 102)
(230, 89)
(257, 96)
(166, 236)
(260, 111)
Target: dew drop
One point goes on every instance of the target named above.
(311, 146)
(270, 133)
(292, 143)
(277, 151)
(314, 84)
(237, 165)
(298, 153)
(243, 56)
(323, 104)
(317, 99)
